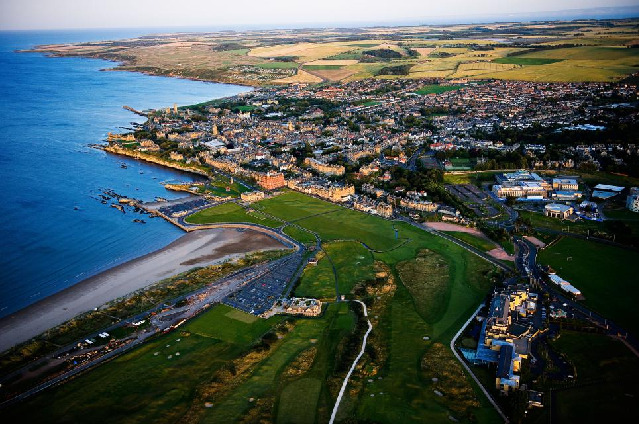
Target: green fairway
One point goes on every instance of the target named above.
(266, 379)
(606, 370)
(604, 274)
(346, 224)
(155, 382)
(300, 235)
(230, 212)
(298, 401)
(317, 281)
(297, 376)
(437, 89)
(480, 243)
(292, 206)
(230, 325)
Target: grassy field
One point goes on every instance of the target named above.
(318, 281)
(606, 370)
(265, 380)
(437, 89)
(292, 206)
(300, 235)
(542, 221)
(156, 382)
(230, 212)
(603, 273)
(517, 60)
(475, 241)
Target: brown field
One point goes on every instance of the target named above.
(301, 77)
(333, 74)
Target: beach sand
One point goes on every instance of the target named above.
(198, 248)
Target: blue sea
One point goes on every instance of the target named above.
(54, 231)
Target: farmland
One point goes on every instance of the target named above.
(278, 57)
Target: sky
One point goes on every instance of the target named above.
(68, 14)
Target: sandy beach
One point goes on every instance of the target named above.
(198, 248)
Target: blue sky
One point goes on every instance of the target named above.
(59, 14)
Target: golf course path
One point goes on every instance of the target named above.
(350, 371)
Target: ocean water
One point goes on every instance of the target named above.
(54, 231)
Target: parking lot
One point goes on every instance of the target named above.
(260, 293)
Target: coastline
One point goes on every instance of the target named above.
(195, 249)
(128, 66)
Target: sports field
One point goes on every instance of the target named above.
(604, 274)
(606, 370)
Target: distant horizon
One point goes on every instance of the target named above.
(623, 11)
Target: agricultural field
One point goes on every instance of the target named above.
(230, 212)
(602, 273)
(555, 52)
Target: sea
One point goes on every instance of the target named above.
(54, 229)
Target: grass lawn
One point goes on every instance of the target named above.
(469, 177)
(537, 219)
(604, 274)
(475, 241)
(317, 281)
(346, 224)
(230, 325)
(292, 205)
(298, 401)
(613, 371)
(300, 235)
(265, 379)
(437, 89)
(353, 262)
(230, 212)
(142, 386)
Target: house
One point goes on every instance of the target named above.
(557, 210)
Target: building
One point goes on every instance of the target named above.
(632, 201)
(324, 168)
(270, 180)
(557, 210)
(564, 184)
(418, 205)
(252, 196)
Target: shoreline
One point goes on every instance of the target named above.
(194, 249)
(123, 66)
